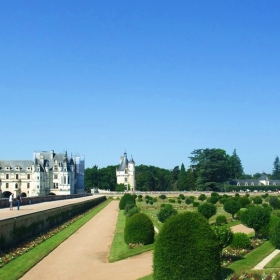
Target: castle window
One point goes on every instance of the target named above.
(16, 186)
(7, 185)
(28, 176)
(28, 185)
(7, 176)
(55, 176)
(17, 176)
(125, 179)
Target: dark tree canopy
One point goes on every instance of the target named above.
(182, 179)
(236, 169)
(276, 169)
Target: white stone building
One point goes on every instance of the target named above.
(125, 173)
(47, 173)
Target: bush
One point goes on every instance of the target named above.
(202, 197)
(147, 201)
(126, 198)
(243, 201)
(139, 199)
(231, 206)
(132, 211)
(195, 204)
(162, 196)
(166, 212)
(240, 241)
(207, 210)
(213, 199)
(162, 205)
(274, 202)
(151, 202)
(171, 200)
(139, 229)
(134, 196)
(140, 196)
(257, 200)
(154, 199)
(224, 235)
(186, 254)
(179, 201)
(188, 201)
(181, 196)
(128, 207)
(274, 231)
(220, 220)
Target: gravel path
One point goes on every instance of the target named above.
(84, 255)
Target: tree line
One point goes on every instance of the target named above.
(210, 169)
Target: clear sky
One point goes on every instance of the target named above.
(158, 79)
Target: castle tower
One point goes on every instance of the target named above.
(125, 173)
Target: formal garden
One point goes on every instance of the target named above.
(193, 237)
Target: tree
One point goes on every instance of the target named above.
(224, 235)
(236, 168)
(255, 217)
(166, 212)
(186, 254)
(162, 197)
(190, 178)
(276, 169)
(182, 179)
(211, 167)
(207, 210)
(232, 206)
(202, 197)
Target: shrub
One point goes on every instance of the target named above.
(147, 201)
(274, 202)
(223, 200)
(132, 211)
(231, 206)
(220, 220)
(257, 200)
(139, 229)
(139, 199)
(134, 196)
(202, 197)
(126, 198)
(162, 205)
(274, 231)
(224, 235)
(195, 204)
(181, 196)
(186, 254)
(154, 199)
(240, 241)
(162, 196)
(151, 202)
(213, 199)
(128, 207)
(147, 197)
(264, 196)
(188, 201)
(179, 201)
(166, 212)
(207, 210)
(171, 200)
(243, 201)
(140, 196)
(255, 217)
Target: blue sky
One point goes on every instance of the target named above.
(158, 79)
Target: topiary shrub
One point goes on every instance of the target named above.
(139, 229)
(151, 202)
(274, 202)
(171, 200)
(240, 241)
(162, 205)
(188, 201)
(221, 220)
(257, 200)
(134, 196)
(243, 201)
(195, 204)
(186, 254)
(166, 212)
(154, 199)
(224, 235)
(231, 206)
(179, 201)
(139, 199)
(126, 198)
(207, 210)
(147, 201)
(132, 211)
(213, 199)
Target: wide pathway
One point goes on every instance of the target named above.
(84, 255)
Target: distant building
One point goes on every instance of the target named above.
(125, 173)
(47, 173)
(262, 181)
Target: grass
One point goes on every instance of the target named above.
(251, 259)
(119, 249)
(18, 267)
(274, 263)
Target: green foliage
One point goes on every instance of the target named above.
(224, 235)
(166, 212)
(130, 212)
(207, 210)
(171, 200)
(264, 196)
(139, 199)
(120, 188)
(231, 206)
(257, 199)
(181, 196)
(235, 166)
(126, 198)
(179, 201)
(162, 196)
(182, 178)
(220, 220)
(151, 202)
(223, 200)
(213, 199)
(139, 229)
(195, 204)
(274, 231)
(255, 217)
(202, 197)
(186, 254)
(240, 241)
(276, 169)
(140, 196)
(147, 201)
(188, 201)
(162, 205)
(154, 199)
(243, 201)
(274, 202)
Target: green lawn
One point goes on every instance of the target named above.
(18, 267)
(274, 263)
(119, 249)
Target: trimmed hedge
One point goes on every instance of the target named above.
(274, 231)
(186, 248)
(139, 229)
(240, 241)
(126, 198)
(220, 220)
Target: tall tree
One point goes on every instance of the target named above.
(276, 169)
(236, 168)
(190, 179)
(211, 167)
(182, 178)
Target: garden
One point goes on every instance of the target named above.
(193, 226)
